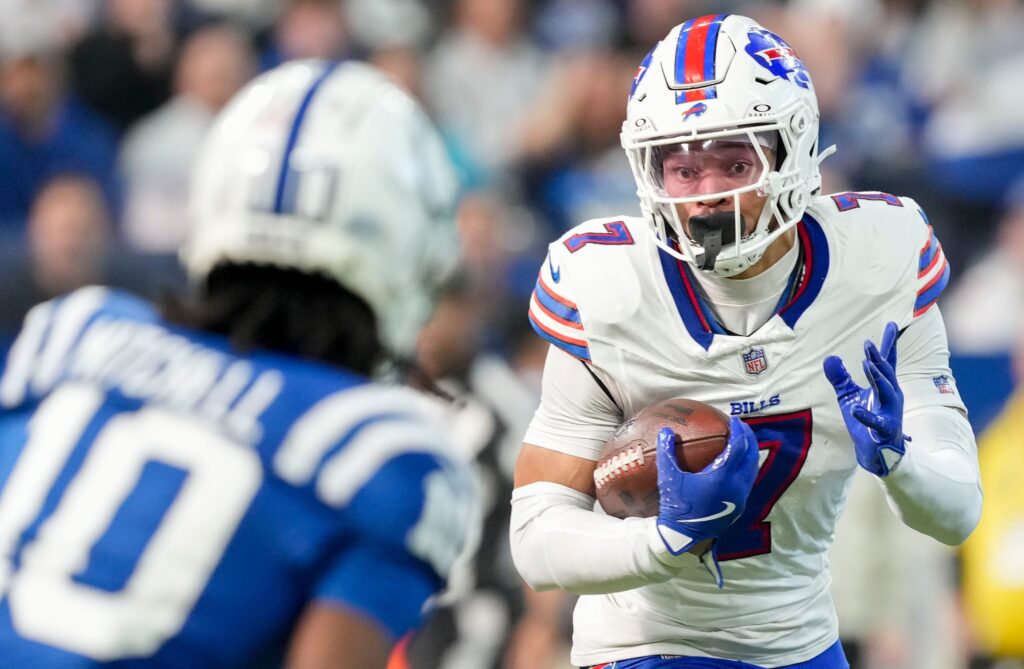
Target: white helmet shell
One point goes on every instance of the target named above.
(330, 169)
(724, 77)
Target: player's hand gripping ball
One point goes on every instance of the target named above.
(626, 475)
(686, 463)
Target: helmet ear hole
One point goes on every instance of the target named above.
(796, 199)
(780, 153)
(798, 123)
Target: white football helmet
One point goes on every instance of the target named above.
(718, 80)
(330, 168)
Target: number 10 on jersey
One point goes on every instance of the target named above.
(70, 511)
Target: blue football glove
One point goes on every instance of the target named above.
(696, 506)
(873, 416)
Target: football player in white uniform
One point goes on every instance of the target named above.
(743, 287)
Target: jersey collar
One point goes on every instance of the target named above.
(809, 276)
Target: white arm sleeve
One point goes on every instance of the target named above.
(922, 367)
(559, 541)
(936, 487)
(575, 415)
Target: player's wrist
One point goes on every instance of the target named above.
(892, 456)
(660, 549)
(887, 457)
(900, 469)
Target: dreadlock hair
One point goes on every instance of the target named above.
(311, 316)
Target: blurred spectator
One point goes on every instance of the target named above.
(392, 34)
(526, 351)
(500, 241)
(69, 237)
(70, 244)
(576, 164)
(540, 638)
(489, 412)
(307, 29)
(63, 22)
(820, 32)
(966, 61)
(647, 21)
(969, 62)
(985, 310)
(157, 153)
(123, 69)
(402, 64)
(254, 14)
(43, 132)
(388, 24)
(480, 80)
(578, 25)
(871, 114)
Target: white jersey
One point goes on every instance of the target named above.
(636, 318)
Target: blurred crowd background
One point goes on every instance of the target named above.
(103, 104)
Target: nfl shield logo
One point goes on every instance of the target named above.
(755, 361)
(942, 383)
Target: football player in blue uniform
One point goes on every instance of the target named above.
(218, 482)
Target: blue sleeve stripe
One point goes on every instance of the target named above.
(930, 293)
(928, 252)
(558, 306)
(577, 349)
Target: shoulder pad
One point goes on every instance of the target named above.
(871, 214)
(894, 231)
(589, 276)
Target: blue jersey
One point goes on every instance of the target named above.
(167, 502)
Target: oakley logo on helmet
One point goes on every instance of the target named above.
(772, 53)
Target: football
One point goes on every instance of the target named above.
(626, 475)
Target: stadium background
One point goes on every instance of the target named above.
(103, 104)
